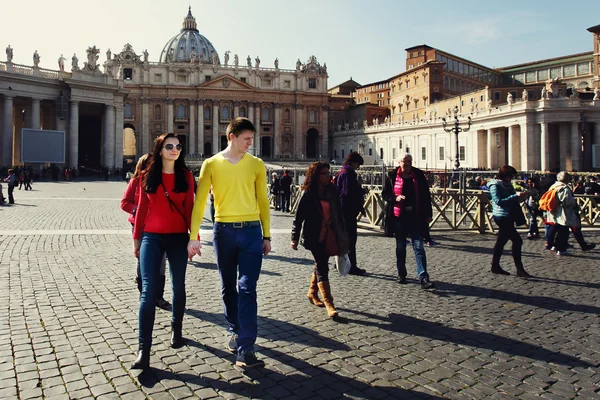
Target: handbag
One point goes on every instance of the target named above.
(518, 216)
(343, 264)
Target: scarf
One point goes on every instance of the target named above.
(398, 184)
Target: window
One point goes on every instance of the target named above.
(462, 103)
(393, 153)
(400, 144)
(381, 153)
(243, 79)
(286, 115)
(243, 112)
(128, 111)
(569, 70)
(461, 153)
(423, 153)
(287, 84)
(267, 82)
(266, 114)
(312, 117)
(207, 78)
(180, 78)
(408, 150)
(542, 74)
(441, 153)
(312, 83)
(497, 95)
(531, 77)
(370, 151)
(180, 111)
(425, 102)
(410, 66)
(157, 112)
(207, 113)
(555, 72)
(157, 78)
(343, 153)
(127, 74)
(407, 84)
(225, 113)
(583, 68)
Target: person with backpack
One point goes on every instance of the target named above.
(506, 209)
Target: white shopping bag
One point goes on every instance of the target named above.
(342, 264)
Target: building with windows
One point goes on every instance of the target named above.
(118, 108)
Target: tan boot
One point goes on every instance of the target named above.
(327, 298)
(313, 292)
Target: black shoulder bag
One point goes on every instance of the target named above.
(174, 205)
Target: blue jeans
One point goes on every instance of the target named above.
(407, 226)
(152, 250)
(239, 248)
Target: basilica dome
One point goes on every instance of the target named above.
(189, 45)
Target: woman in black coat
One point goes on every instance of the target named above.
(321, 222)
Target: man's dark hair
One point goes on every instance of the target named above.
(554, 170)
(354, 157)
(240, 125)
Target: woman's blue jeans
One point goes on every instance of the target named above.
(239, 248)
(153, 247)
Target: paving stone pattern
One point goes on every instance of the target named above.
(68, 317)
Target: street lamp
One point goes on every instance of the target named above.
(456, 129)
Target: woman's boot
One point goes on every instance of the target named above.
(160, 299)
(327, 298)
(521, 272)
(177, 339)
(143, 359)
(313, 292)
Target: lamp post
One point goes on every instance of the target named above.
(456, 128)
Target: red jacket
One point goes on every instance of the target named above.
(129, 200)
(156, 214)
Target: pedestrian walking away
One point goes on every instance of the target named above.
(11, 180)
(129, 205)
(407, 189)
(286, 191)
(241, 232)
(352, 197)
(320, 219)
(161, 226)
(506, 209)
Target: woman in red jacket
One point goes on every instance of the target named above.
(162, 222)
(129, 205)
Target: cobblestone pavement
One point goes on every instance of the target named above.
(68, 317)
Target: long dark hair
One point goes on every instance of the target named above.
(312, 175)
(152, 178)
(141, 165)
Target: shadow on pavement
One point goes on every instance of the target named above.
(549, 303)
(467, 337)
(213, 266)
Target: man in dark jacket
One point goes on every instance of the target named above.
(286, 190)
(352, 200)
(406, 189)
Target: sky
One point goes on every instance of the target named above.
(362, 39)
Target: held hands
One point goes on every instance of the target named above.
(294, 245)
(194, 248)
(400, 198)
(136, 248)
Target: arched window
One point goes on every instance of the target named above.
(180, 111)
(207, 113)
(266, 114)
(243, 112)
(225, 113)
(157, 112)
(583, 85)
(286, 115)
(312, 117)
(128, 110)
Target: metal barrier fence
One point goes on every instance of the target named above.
(455, 210)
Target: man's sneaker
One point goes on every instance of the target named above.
(588, 247)
(563, 253)
(401, 280)
(432, 243)
(232, 344)
(249, 360)
(427, 284)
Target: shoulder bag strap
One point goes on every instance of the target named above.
(174, 205)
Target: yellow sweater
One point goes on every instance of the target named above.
(240, 192)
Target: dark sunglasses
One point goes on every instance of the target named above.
(171, 146)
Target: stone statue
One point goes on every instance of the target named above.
(324, 68)
(146, 55)
(596, 94)
(355, 125)
(473, 107)
(544, 93)
(276, 63)
(236, 60)
(249, 62)
(434, 113)
(525, 95)
(108, 55)
(339, 128)
(298, 65)
(9, 54)
(346, 126)
(574, 94)
(170, 54)
(92, 57)
(489, 104)
(215, 58)
(365, 123)
(226, 58)
(74, 62)
(61, 62)
(36, 59)
(509, 98)
(193, 56)
(257, 62)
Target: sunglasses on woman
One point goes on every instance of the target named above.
(171, 146)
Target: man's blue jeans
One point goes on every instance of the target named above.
(239, 247)
(406, 226)
(152, 250)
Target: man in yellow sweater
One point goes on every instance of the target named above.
(241, 232)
